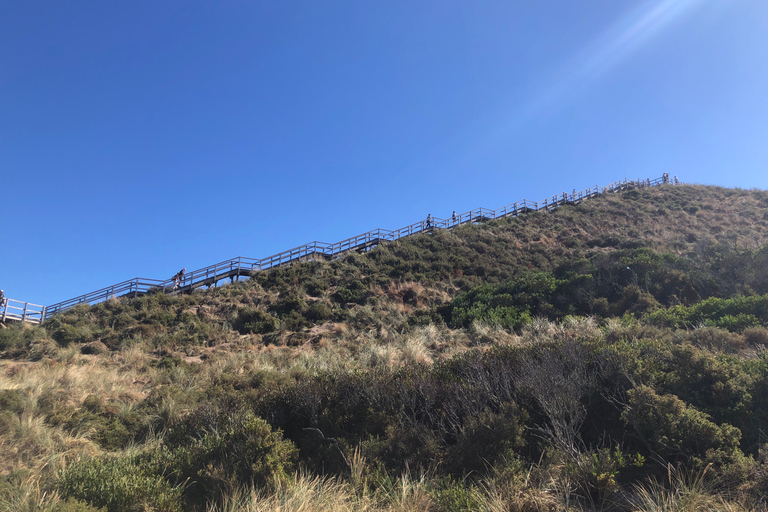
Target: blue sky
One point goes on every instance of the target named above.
(140, 137)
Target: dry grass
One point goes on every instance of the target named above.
(28, 496)
(571, 328)
(78, 376)
(684, 491)
(29, 442)
(542, 488)
(305, 493)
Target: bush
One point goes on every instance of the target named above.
(487, 438)
(670, 428)
(68, 334)
(220, 449)
(513, 303)
(355, 292)
(12, 400)
(289, 305)
(254, 321)
(636, 302)
(756, 336)
(735, 314)
(121, 484)
(73, 505)
(318, 311)
(17, 336)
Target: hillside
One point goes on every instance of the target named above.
(608, 355)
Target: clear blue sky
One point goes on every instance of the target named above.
(140, 137)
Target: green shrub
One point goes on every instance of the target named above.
(636, 302)
(18, 337)
(256, 321)
(355, 292)
(112, 434)
(457, 496)
(223, 449)
(288, 305)
(293, 321)
(316, 287)
(510, 304)
(736, 323)
(73, 505)
(596, 472)
(735, 314)
(12, 400)
(121, 484)
(68, 334)
(674, 430)
(318, 311)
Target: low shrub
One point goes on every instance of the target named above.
(735, 314)
(68, 334)
(222, 449)
(12, 400)
(120, 484)
(670, 428)
(756, 336)
(254, 321)
(288, 305)
(73, 505)
(18, 337)
(355, 292)
(318, 312)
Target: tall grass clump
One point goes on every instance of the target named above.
(683, 491)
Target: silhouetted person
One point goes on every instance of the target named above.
(453, 217)
(429, 220)
(2, 299)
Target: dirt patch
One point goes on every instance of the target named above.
(321, 329)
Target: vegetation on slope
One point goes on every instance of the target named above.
(607, 355)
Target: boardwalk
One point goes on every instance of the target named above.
(21, 311)
(241, 266)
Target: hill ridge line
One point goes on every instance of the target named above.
(244, 266)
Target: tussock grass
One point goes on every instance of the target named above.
(77, 378)
(30, 444)
(683, 491)
(303, 493)
(308, 493)
(27, 496)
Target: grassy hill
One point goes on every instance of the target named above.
(609, 356)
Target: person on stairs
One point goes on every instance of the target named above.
(178, 277)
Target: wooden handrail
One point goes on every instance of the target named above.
(12, 309)
(363, 242)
